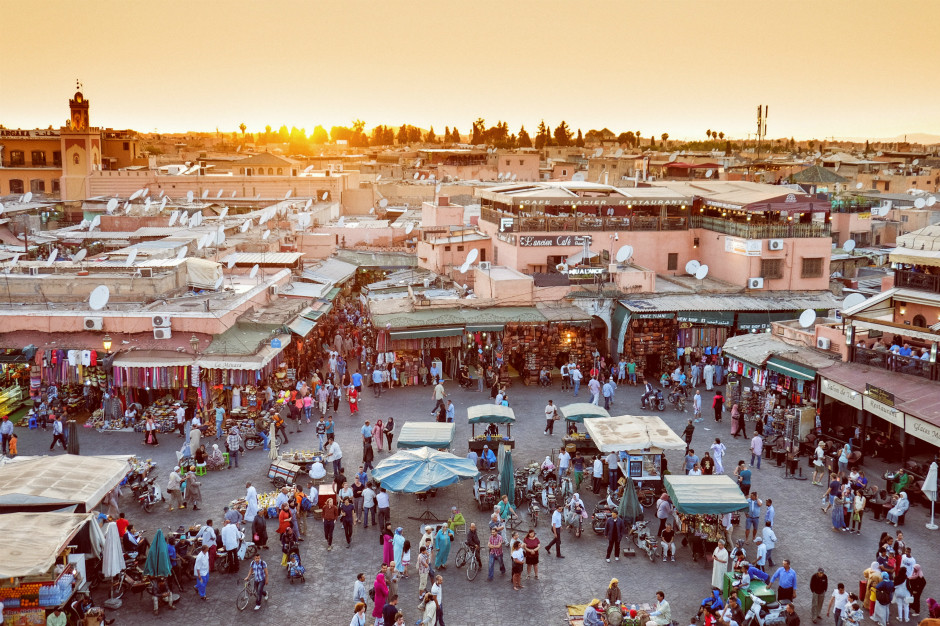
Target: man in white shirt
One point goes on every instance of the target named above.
(439, 394)
(770, 540)
(550, 418)
(761, 560)
(368, 505)
(180, 419)
(564, 460)
(565, 377)
(382, 502)
(556, 531)
(57, 433)
(608, 391)
(613, 472)
(839, 599)
(335, 454)
(201, 572)
(438, 590)
(595, 388)
(231, 539)
(207, 535)
(597, 474)
(575, 374)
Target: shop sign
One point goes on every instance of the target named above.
(652, 316)
(879, 394)
(276, 343)
(530, 241)
(586, 271)
(291, 373)
(842, 393)
(505, 223)
(744, 247)
(885, 412)
(923, 430)
(28, 134)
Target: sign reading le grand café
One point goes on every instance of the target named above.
(531, 241)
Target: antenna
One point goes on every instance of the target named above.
(223, 212)
(920, 203)
(416, 176)
(624, 254)
(163, 202)
(598, 152)
(95, 223)
(289, 192)
(189, 197)
(932, 200)
(858, 185)
(174, 216)
(383, 202)
(307, 205)
(562, 268)
(231, 261)
(709, 173)
(245, 226)
(205, 194)
(265, 234)
(219, 282)
(233, 194)
(325, 195)
(136, 194)
(219, 195)
(99, 297)
(807, 318)
(618, 153)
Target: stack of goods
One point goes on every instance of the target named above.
(266, 503)
(95, 376)
(540, 344)
(163, 412)
(300, 456)
(73, 397)
(651, 337)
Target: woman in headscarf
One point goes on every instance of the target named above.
(389, 432)
(251, 500)
(113, 500)
(737, 424)
(193, 489)
(613, 591)
(427, 540)
(194, 436)
(901, 596)
(916, 583)
(838, 513)
(899, 509)
(215, 461)
(259, 531)
(387, 540)
(381, 594)
(442, 543)
(719, 564)
(151, 429)
(398, 545)
(377, 435)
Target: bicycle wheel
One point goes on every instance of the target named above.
(461, 559)
(250, 552)
(473, 568)
(244, 597)
(117, 587)
(250, 443)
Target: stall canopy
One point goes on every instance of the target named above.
(704, 495)
(580, 411)
(49, 483)
(431, 434)
(417, 471)
(788, 368)
(632, 433)
(32, 542)
(490, 414)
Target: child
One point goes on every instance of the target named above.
(13, 445)
(406, 557)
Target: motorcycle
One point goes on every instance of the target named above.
(654, 403)
(149, 494)
(534, 512)
(487, 491)
(565, 488)
(644, 540)
(574, 518)
(548, 496)
(677, 401)
(763, 613)
(602, 512)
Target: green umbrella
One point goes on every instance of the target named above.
(158, 557)
(507, 476)
(629, 509)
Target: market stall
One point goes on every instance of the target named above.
(493, 415)
(574, 414)
(700, 502)
(437, 435)
(58, 482)
(641, 441)
(40, 570)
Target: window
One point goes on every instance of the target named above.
(564, 172)
(17, 158)
(280, 171)
(812, 268)
(446, 248)
(672, 262)
(38, 158)
(16, 185)
(126, 146)
(521, 162)
(507, 161)
(771, 268)
(37, 186)
(904, 218)
(482, 254)
(55, 186)
(57, 158)
(459, 248)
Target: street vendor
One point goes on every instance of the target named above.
(592, 615)
(456, 519)
(489, 459)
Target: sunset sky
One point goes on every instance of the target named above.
(854, 68)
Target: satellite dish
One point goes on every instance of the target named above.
(245, 226)
(410, 226)
(220, 236)
(161, 193)
(701, 272)
(383, 202)
(378, 178)
(184, 218)
(99, 297)
(514, 176)
(472, 256)
(852, 300)
(175, 215)
(205, 193)
(254, 271)
(673, 157)
(858, 185)
(223, 212)
(79, 256)
(692, 266)
(307, 205)
(112, 204)
(341, 221)
(126, 204)
(416, 176)
(219, 195)
(437, 188)
(52, 256)
(163, 202)
(849, 245)
(372, 211)
(95, 223)
(136, 194)
(130, 258)
(289, 192)
(233, 194)
(915, 161)
(325, 195)
(1, 208)
(218, 283)
(920, 203)
(202, 242)
(932, 200)
(624, 254)
(432, 176)
(618, 153)
(265, 234)
(308, 168)
(464, 268)
(181, 254)
(598, 152)
(189, 196)
(231, 261)
(807, 318)
(709, 173)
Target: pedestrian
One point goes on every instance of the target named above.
(689, 431)
(174, 489)
(551, 414)
(663, 511)
(201, 571)
(6, 432)
(770, 512)
(437, 589)
(57, 433)
(193, 489)
(438, 395)
(518, 564)
(719, 564)
(556, 532)
(595, 387)
(744, 479)
(233, 445)
(380, 588)
(718, 453)
(576, 377)
(753, 516)
(818, 586)
(838, 601)
(757, 448)
(668, 536)
(389, 430)
(495, 547)
(334, 454)
(770, 541)
(697, 406)
(597, 474)
(786, 577)
(708, 464)
(180, 419)
(718, 405)
(691, 460)
(608, 391)
(346, 517)
(578, 464)
(884, 595)
(219, 419)
(382, 502)
(613, 530)
(737, 422)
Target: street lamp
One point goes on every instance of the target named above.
(194, 342)
(106, 342)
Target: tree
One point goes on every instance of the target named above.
(430, 137)
(580, 140)
(524, 140)
(867, 147)
(402, 136)
(319, 136)
(563, 134)
(242, 128)
(721, 135)
(665, 138)
(455, 135)
(446, 138)
(476, 136)
(542, 138)
(708, 133)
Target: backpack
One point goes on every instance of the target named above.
(372, 594)
(883, 596)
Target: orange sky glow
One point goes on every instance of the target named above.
(843, 68)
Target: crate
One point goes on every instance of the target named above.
(283, 472)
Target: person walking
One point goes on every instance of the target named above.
(551, 414)
(233, 444)
(174, 489)
(818, 586)
(495, 546)
(737, 422)
(688, 432)
(718, 405)
(193, 489)
(201, 571)
(613, 530)
(786, 577)
(597, 474)
(663, 512)
(58, 435)
(753, 516)
(556, 531)
(576, 377)
(330, 513)
(769, 538)
(346, 517)
(718, 453)
(838, 601)
(719, 564)
(389, 430)
(757, 448)
(697, 406)
(6, 432)
(595, 387)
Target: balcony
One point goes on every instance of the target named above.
(896, 363)
(917, 280)
(558, 223)
(754, 230)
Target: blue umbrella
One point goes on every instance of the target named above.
(158, 557)
(417, 471)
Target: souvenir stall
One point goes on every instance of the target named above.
(437, 348)
(530, 347)
(142, 376)
(650, 341)
(492, 415)
(574, 414)
(235, 381)
(700, 502)
(437, 435)
(14, 380)
(702, 333)
(44, 562)
(641, 440)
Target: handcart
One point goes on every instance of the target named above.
(283, 473)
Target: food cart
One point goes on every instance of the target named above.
(437, 435)
(494, 415)
(575, 414)
(641, 441)
(304, 459)
(44, 562)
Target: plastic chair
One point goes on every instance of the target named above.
(201, 469)
(33, 424)
(225, 456)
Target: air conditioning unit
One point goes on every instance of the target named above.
(755, 283)
(272, 290)
(94, 323)
(34, 271)
(822, 343)
(485, 265)
(775, 244)
(145, 272)
(162, 333)
(160, 321)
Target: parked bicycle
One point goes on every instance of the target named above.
(470, 556)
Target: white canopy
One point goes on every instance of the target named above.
(65, 480)
(32, 542)
(632, 433)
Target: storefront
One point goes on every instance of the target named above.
(650, 342)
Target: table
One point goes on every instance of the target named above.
(324, 493)
(758, 587)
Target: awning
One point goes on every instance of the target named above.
(715, 318)
(256, 361)
(302, 326)
(580, 411)
(760, 321)
(431, 434)
(793, 370)
(332, 294)
(490, 414)
(424, 333)
(151, 358)
(579, 256)
(485, 328)
(59, 481)
(704, 495)
(915, 257)
(633, 433)
(33, 542)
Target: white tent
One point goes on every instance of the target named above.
(632, 433)
(59, 482)
(32, 542)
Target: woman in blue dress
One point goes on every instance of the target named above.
(442, 544)
(398, 544)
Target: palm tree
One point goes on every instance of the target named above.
(721, 135)
(242, 128)
(708, 133)
(664, 137)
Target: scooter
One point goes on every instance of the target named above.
(149, 494)
(644, 540)
(548, 496)
(602, 511)
(534, 512)
(574, 519)
(677, 401)
(487, 492)
(763, 613)
(654, 403)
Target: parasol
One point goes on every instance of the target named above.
(417, 471)
(112, 560)
(158, 557)
(629, 508)
(272, 442)
(71, 437)
(507, 476)
(930, 490)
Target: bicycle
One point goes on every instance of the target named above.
(249, 591)
(469, 556)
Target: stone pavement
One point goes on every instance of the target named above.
(804, 533)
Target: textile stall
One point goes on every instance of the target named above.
(152, 369)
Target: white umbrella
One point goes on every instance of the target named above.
(930, 490)
(112, 561)
(273, 442)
